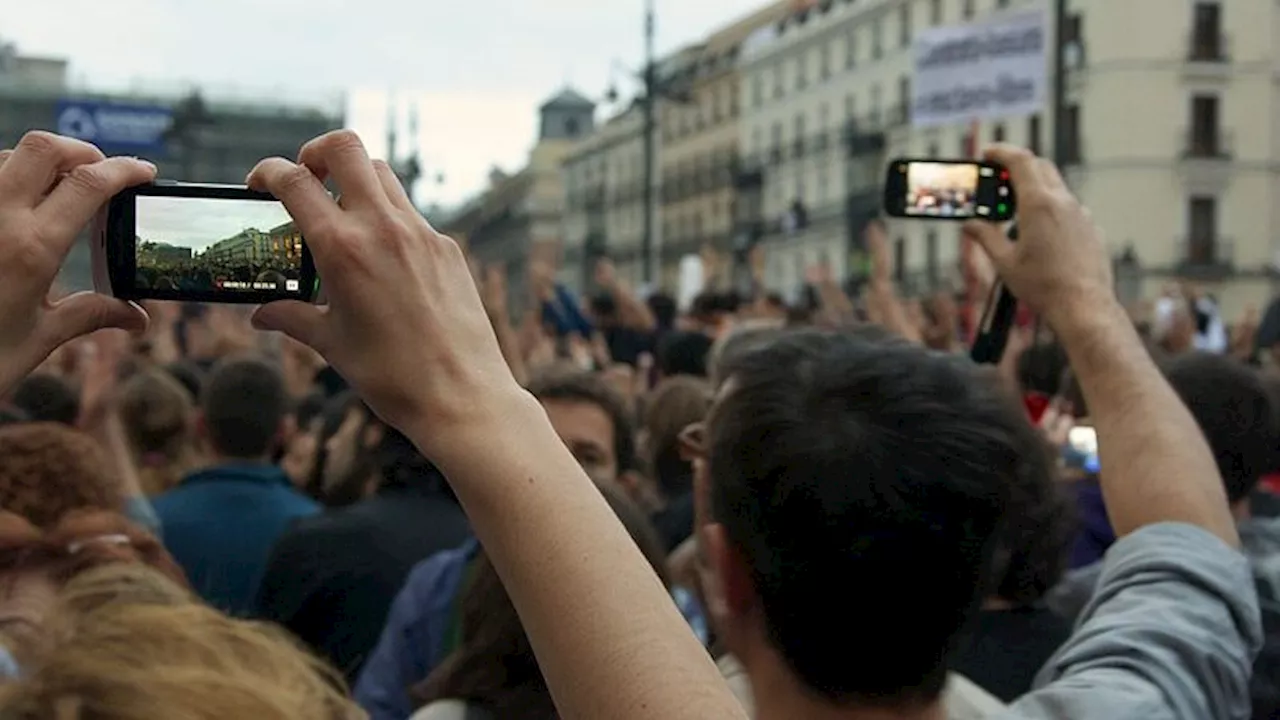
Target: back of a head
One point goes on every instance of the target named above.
(129, 661)
(244, 404)
(743, 338)
(121, 583)
(156, 411)
(684, 353)
(47, 398)
(1230, 403)
(494, 666)
(837, 456)
(48, 469)
(673, 405)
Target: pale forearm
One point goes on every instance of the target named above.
(608, 638)
(635, 314)
(1156, 465)
(509, 342)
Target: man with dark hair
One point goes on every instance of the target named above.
(221, 522)
(331, 579)
(47, 398)
(683, 353)
(592, 421)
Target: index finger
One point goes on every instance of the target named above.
(303, 195)
(341, 155)
(38, 160)
(1022, 164)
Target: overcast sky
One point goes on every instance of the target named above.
(478, 69)
(198, 223)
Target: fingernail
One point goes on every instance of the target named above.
(148, 163)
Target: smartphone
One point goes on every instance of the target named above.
(201, 243)
(1081, 452)
(948, 190)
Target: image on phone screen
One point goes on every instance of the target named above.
(942, 189)
(206, 245)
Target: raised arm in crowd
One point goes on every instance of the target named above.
(850, 491)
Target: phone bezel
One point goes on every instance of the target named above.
(895, 191)
(119, 240)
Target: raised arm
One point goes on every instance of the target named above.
(406, 326)
(1157, 465)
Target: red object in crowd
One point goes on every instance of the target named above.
(1271, 483)
(1036, 403)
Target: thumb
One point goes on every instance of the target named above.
(300, 321)
(993, 241)
(88, 312)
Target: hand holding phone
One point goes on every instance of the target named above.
(201, 243)
(948, 190)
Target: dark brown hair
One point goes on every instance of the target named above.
(494, 666)
(47, 470)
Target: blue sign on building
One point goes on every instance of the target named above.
(115, 128)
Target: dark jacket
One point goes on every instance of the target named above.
(220, 525)
(331, 579)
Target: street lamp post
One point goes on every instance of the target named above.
(1058, 104)
(650, 111)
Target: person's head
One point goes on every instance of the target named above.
(35, 564)
(299, 456)
(604, 310)
(1233, 408)
(672, 406)
(47, 398)
(664, 310)
(494, 665)
(849, 487)
(131, 660)
(48, 469)
(190, 376)
(158, 414)
(243, 409)
(592, 420)
(347, 434)
(683, 353)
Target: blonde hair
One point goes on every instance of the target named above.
(157, 410)
(120, 583)
(129, 660)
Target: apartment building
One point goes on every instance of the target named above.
(604, 201)
(700, 140)
(1167, 136)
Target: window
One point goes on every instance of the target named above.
(1206, 34)
(571, 127)
(1001, 4)
(824, 116)
(967, 144)
(1033, 133)
(998, 133)
(931, 257)
(1202, 226)
(935, 12)
(824, 61)
(875, 105)
(1204, 126)
(904, 99)
(904, 25)
(850, 50)
(850, 106)
(775, 145)
(757, 141)
(877, 39)
(967, 12)
(802, 72)
(899, 259)
(798, 141)
(757, 89)
(1071, 146)
(933, 150)
(777, 81)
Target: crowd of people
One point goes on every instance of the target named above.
(203, 276)
(413, 503)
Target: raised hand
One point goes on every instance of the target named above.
(51, 187)
(1059, 265)
(405, 324)
(606, 275)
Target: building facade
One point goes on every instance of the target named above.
(215, 139)
(519, 219)
(699, 140)
(604, 202)
(1168, 136)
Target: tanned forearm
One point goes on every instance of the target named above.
(1156, 464)
(607, 636)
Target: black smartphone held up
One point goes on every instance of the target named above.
(948, 190)
(201, 243)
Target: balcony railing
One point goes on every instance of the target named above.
(1204, 47)
(1207, 144)
(1206, 255)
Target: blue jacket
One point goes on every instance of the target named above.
(220, 525)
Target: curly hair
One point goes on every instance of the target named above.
(80, 541)
(50, 469)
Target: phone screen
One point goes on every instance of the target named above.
(210, 245)
(1082, 449)
(205, 243)
(948, 190)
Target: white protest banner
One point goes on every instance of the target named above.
(981, 71)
